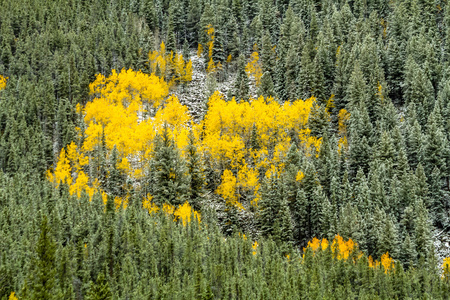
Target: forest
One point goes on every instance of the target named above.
(224, 149)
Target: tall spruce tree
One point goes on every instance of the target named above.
(168, 171)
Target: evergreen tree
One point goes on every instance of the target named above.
(168, 171)
(270, 205)
(282, 230)
(266, 88)
(196, 177)
(100, 289)
(241, 88)
(41, 280)
(388, 240)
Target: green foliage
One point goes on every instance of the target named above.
(384, 181)
(169, 182)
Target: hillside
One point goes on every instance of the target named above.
(224, 149)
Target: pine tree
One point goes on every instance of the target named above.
(241, 85)
(422, 230)
(269, 205)
(196, 177)
(290, 75)
(266, 88)
(418, 89)
(318, 120)
(100, 289)
(168, 171)
(267, 54)
(357, 89)
(408, 254)
(282, 230)
(41, 283)
(115, 181)
(388, 240)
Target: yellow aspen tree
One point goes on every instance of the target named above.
(3, 82)
(199, 50)
(254, 69)
(184, 213)
(227, 189)
(188, 72)
(179, 67)
(387, 262)
(446, 268)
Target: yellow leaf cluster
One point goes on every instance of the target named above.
(387, 262)
(254, 69)
(12, 296)
(227, 127)
(117, 117)
(343, 118)
(62, 172)
(446, 267)
(211, 37)
(199, 50)
(299, 176)
(212, 66)
(149, 205)
(172, 64)
(248, 181)
(128, 87)
(254, 247)
(227, 189)
(343, 250)
(3, 82)
(168, 209)
(184, 212)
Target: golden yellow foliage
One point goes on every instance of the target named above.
(211, 68)
(343, 118)
(126, 88)
(343, 250)
(184, 212)
(199, 50)
(227, 189)
(446, 267)
(168, 209)
(13, 296)
(248, 179)
(187, 72)
(62, 172)
(254, 247)
(314, 244)
(330, 104)
(299, 176)
(149, 205)
(171, 64)
(387, 262)
(211, 37)
(3, 82)
(373, 264)
(254, 69)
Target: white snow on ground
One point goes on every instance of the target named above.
(441, 246)
(194, 94)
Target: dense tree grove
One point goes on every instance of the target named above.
(320, 170)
